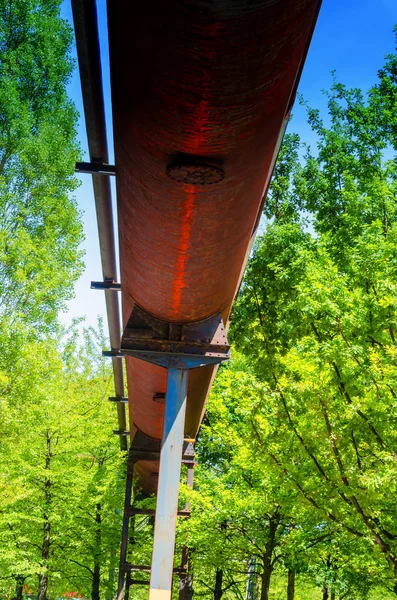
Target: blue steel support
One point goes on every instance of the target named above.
(168, 485)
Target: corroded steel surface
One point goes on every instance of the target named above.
(194, 82)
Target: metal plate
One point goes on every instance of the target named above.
(195, 173)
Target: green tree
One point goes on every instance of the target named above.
(91, 544)
(40, 230)
(247, 521)
(316, 317)
(60, 473)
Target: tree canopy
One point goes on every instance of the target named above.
(316, 317)
(40, 228)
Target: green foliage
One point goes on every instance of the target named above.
(316, 318)
(61, 468)
(40, 231)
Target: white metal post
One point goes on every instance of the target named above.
(168, 485)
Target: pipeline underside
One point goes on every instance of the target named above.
(200, 81)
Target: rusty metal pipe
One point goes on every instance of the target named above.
(200, 94)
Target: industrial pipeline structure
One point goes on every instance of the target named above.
(201, 95)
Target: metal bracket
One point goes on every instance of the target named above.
(118, 399)
(188, 455)
(108, 284)
(95, 168)
(120, 432)
(175, 345)
(114, 353)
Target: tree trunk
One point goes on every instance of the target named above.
(45, 547)
(218, 591)
(268, 555)
(96, 579)
(19, 581)
(266, 575)
(333, 595)
(325, 592)
(291, 585)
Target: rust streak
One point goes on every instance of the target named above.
(183, 249)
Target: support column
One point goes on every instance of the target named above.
(168, 485)
(124, 534)
(186, 579)
(177, 347)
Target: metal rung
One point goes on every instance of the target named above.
(139, 582)
(137, 455)
(121, 432)
(129, 511)
(118, 399)
(106, 285)
(129, 567)
(95, 168)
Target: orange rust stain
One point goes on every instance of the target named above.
(183, 249)
(200, 126)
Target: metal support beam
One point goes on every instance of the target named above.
(113, 353)
(168, 485)
(95, 167)
(178, 347)
(126, 522)
(88, 53)
(186, 579)
(106, 285)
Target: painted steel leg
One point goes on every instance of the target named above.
(186, 580)
(168, 485)
(124, 534)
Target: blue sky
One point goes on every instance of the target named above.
(352, 37)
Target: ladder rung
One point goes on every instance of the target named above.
(129, 511)
(139, 582)
(129, 567)
(136, 455)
